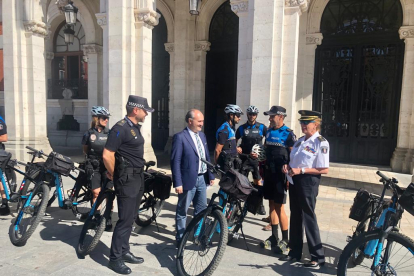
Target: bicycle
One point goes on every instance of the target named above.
(206, 236)
(50, 172)
(383, 248)
(96, 221)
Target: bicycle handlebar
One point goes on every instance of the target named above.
(214, 167)
(383, 176)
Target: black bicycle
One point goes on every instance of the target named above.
(383, 248)
(157, 188)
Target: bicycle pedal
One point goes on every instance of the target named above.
(67, 204)
(14, 197)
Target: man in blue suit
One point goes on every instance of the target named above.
(189, 173)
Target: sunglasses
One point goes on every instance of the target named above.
(238, 115)
(104, 118)
(306, 122)
(251, 114)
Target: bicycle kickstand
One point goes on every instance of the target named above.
(155, 219)
(244, 238)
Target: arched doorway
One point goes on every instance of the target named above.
(160, 85)
(221, 68)
(358, 76)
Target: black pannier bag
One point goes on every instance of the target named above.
(161, 185)
(149, 181)
(59, 163)
(4, 159)
(255, 201)
(407, 199)
(362, 205)
(236, 184)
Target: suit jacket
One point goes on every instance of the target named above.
(185, 160)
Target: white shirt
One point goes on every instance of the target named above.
(193, 136)
(312, 153)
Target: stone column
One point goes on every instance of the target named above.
(24, 76)
(169, 47)
(312, 42)
(402, 158)
(48, 69)
(146, 18)
(92, 52)
(199, 66)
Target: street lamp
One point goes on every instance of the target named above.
(70, 13)
(69, 34)
(195, 7)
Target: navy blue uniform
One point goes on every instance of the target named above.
(226, 136)
(126, 141)
(278, 142)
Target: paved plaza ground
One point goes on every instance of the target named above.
(51, 249)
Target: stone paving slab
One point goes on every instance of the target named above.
(51, 249)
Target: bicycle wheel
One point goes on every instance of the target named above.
(149, 209)
(397, 256)
(202, 246)
(233, 217)
(82, 201)
(29, 216)
(95, 223)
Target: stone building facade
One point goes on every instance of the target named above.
(350, 59)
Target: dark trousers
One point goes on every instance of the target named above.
(129, 188)
(302, 217)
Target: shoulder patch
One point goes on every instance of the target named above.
(321, 138)
(122, 122)
(288, 129)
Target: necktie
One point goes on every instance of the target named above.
(200, 153)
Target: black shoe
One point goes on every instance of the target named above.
(129, 258)
(262, 210)
(119, 267)
(288, 258)
(313, 264)
(4, 210)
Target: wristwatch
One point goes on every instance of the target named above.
(302, 171)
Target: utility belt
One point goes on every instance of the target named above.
(122, 166)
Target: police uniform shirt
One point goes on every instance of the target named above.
(278, 141)
(250, 135)
(312, 153)
(3, 126)
(126, 139)
(226, 136)
(95, 140)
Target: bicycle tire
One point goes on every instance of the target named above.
(149, 201)
(221, 247)
(42, 189)
(393, 237)
(95, 223)
(82, 195)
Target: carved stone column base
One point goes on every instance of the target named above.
(398, 159)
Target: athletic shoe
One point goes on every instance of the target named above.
(269, 243)
(281, 247)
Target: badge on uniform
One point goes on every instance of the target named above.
(246, 131)
(133, 133)
(324, 150)
(93, 137)
(1, 126)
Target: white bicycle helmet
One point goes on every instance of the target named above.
(100, 111)
(258, 149)
(232, 108)
(252, 109)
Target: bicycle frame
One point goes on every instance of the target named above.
(59, 188)
(5, 186)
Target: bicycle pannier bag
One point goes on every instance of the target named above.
(362, 205)
(254, 202)
(4, 159)
(161, 186)
(58, 163)
(149, 181)
(407, 199)
(236, 184)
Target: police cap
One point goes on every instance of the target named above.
(276, 110)
(309, 115)
(140, 102)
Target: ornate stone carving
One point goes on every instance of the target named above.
(169, 47)
(239, 7)
(49, 55)
(302, 4)
(37, 28)
(314, 39)
(61, 3)
(406, 32)
(148, 17)
(91, 49)
(202, 46)
(101, 19)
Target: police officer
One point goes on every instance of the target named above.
(279, 142)
(251, 133)
(93, 142)
(4, 207)
(225, 153)
(124, 159)
(309, 159)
